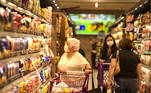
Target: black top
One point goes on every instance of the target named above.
(128, 64)
(104, 57)
(94, 46)
(82, 52)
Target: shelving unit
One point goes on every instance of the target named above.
(23, 78)
(15, 34)
(14, 59)
(21, 10)
(16, 79)
(44, 84)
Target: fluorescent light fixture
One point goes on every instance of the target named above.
(122, 17)
(96, 4)
(141, 5)
(54, 1)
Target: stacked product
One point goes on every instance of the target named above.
(25, 41)
(15, 22)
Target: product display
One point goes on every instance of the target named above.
(32, 83)
(18, 46)
(33, 34)
(27, 86)
(25, 47)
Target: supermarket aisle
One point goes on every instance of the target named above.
(95, 72)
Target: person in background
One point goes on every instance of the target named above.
(130, 75)
(72, 60)
(93, 42)
(107, 52)
(81, 51)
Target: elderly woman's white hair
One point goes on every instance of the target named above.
(75, 43)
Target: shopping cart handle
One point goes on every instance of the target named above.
(105, 63)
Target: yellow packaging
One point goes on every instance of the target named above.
(1, 55)
(66, 90)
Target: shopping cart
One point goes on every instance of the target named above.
(74, 80)
(103, 72)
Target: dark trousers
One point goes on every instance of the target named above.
(127, 85)
(93, 58)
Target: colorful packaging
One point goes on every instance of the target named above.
(7, 20)
(6, 45)
(3, 78)
(25, 21)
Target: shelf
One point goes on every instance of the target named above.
(142, 39)
(17, 35)
(143, 26)
(17, 81)
(147, 67)
(21, 10)
(43, 85)
(15, 59)
(147, 53)
(24, 78)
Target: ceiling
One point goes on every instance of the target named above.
(104, 6)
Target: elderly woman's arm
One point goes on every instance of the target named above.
(111, 70)
(88, 68)
(61, 68)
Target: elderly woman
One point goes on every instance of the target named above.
(72, 60)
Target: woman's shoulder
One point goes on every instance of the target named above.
(78, 54)
(64, 55)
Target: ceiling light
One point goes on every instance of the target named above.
(96, 4)
(122, 17)
(57, 7)
(135, 8)
(55, 4)
(140, 5)
(54, 1)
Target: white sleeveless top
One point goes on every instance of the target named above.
(76, 63)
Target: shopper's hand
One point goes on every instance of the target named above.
(96, 65)
(102, 61)
(109, 84)
(93, 51)
(88, 71)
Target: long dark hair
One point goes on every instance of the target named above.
(105, 46)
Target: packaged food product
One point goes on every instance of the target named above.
(25, 22)
(30, 44)
(2, 18)
(1, 49)
(6, 45)
(16, 21)
(25, 46)
(30, 6)
(3, 78)
(7, 20)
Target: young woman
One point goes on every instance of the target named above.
(108, 51)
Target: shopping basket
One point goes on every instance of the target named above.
(74, 80)
(103, 72)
